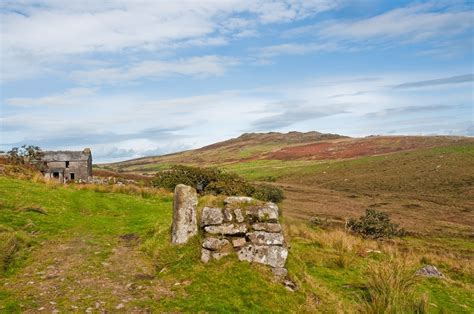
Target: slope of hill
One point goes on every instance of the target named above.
(285, 146)
(248, 146)
(74, 249)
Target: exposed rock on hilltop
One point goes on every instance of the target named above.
(292, 137)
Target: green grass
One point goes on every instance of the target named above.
(264, 169)
(99, 219)
(330, 267)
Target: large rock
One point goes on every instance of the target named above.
(274, 256)
(215, 244)
(211, 216)
(265, 238)
(265, 213)
(227, 229)
(269, 227)
(184, 214)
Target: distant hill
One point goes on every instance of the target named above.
(248, 146)
(285, 146)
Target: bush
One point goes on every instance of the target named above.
(374, 225)
(268, 192)
(215, 181)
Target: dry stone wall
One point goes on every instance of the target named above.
(245, 227)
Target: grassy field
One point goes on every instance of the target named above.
(106, 248)
(96, 248)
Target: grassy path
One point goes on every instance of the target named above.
(83, 254)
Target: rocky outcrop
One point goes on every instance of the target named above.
(184, 214)
(245, 227)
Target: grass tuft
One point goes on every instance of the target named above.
(391, 289)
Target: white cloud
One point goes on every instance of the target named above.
(195, 66)
(36, 35)
(295, 49)
(128, 124)
(412, 23)
(71, 97)
(445, 33)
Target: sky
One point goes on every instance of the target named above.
(135, 78)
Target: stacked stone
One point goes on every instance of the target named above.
(245, 226)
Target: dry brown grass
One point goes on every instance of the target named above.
(130, 189)
(391, 289)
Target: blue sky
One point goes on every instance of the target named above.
(134, 78)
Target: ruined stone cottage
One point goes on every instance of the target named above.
(66, 166)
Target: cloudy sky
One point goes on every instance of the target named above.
(132, 78)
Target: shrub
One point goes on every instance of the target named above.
(374, 225)
(268, 192)
(215, 181)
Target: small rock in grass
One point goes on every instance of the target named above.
(205, 255)
(290, 285)
(430, 271)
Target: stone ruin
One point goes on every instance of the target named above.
(248, 228)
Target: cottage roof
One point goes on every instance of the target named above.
(65, 155)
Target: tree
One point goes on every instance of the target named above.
(25, 154)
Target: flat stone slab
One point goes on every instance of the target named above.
(215, 244)
(274, 256)
(211, 216)
(238, 199)
(266, 226)
(265, 238)
(227, 229)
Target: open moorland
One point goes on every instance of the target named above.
(95, 248)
